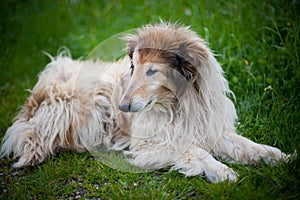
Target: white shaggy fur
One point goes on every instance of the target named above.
(75, 104)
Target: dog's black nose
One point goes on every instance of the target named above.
(124, 107)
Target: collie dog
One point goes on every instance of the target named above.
(165, 104)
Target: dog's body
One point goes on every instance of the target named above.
(176, 112)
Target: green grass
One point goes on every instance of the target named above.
(257, 43)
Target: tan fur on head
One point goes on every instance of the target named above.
(175, 96)
(163, 49)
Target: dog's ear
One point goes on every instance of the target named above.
(191, 56)
(185, 68)
(131, 42)
(195, 53)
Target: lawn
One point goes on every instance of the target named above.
(257, 43)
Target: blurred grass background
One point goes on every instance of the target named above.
(257, 43)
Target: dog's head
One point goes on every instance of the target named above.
(164, 62)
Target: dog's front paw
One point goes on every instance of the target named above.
(289, 157)
(223, 174)
(272, 156)
(188, 170)
(217, 174)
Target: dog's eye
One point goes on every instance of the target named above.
(150, 72)
(131, 68)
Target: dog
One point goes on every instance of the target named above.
(165, 103)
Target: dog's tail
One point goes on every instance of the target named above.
(59, 114)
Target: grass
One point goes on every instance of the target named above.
(257, 43)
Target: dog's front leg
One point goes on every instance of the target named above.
(197, 161)
(246, 151)
(191, 161)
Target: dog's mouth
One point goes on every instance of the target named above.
(149, 105)
(137, 106)
(149, 102)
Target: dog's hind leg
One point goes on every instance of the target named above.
(61, 113)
